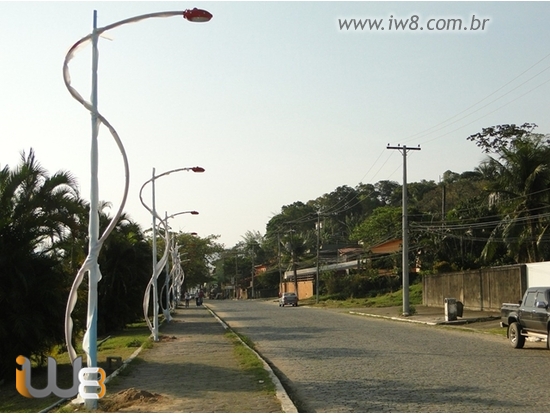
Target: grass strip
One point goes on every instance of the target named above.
(123, 344)
(250, 362)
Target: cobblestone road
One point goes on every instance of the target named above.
(336, 362)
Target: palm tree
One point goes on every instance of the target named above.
(37, 212)
(296, 246)
(521, 187)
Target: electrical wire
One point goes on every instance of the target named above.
(425, 132)
(338, 209)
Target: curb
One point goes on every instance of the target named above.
(446, 323)
(393, 318)
(286, 403)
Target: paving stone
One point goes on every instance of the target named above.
(194, 369)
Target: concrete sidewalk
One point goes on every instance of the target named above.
(431, 315)
(193, 368)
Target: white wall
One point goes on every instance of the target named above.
(538, 274)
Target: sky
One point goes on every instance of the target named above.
(277, 101)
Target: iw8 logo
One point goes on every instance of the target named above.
(81, 381)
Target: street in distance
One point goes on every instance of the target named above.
(413, 24)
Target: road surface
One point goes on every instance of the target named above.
(332, 361)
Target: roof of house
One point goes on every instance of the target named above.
(390, 246)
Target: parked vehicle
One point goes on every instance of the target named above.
(288, 298)
(529, 318)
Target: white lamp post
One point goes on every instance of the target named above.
(169, 243)
(178, 275)
(90, 265)
(157, 266)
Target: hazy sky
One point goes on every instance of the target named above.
(273, 99)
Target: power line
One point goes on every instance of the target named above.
(425, 132)
(310, 217)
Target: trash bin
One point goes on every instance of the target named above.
(459, 309)
(450, 309)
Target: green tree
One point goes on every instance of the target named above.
(296, 252)
(340, 210)
(298, 217)
(369, 198)
(198, 255)
(37, 211)
(389, 193)
(234, 266)
(520, 162)
(382, 225)
(125, 263)
(292, 233)
(253, 248)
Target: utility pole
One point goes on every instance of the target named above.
(318, 242)
(293, 255)
(253, 293)
(443, 202)
(237, 293)
(405, 228)
(279, 263)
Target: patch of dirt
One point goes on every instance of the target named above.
(127, 398)
(166, 338)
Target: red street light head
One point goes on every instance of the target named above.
(194, 213)
(197, 15)
(197, 169)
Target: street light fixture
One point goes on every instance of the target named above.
(197, 15)
(158, 266)
(90, 265)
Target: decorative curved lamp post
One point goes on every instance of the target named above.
(90, 264)
(157, 266)
(170, 243)
(177, 274)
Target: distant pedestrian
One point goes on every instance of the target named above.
(200, 297)
(187, 298)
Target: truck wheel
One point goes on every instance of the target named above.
(548, 339)
(514, 334)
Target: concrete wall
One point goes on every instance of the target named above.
(305, 288)
(484, 289)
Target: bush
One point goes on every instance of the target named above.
(359, 285)
(442, 267)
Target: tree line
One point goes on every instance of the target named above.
(497, 214)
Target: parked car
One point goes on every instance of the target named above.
(288, 298)
(531, 318)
